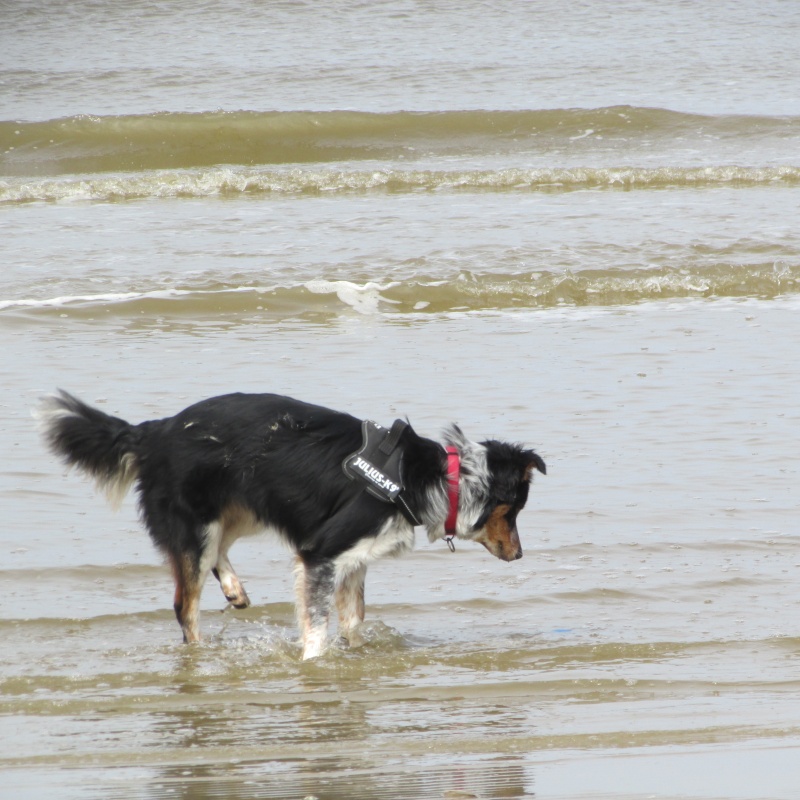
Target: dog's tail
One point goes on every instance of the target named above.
(98, 444)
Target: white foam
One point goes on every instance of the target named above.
(363, 298)
(121, 297)
(68, 300)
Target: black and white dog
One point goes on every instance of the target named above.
(341, 492)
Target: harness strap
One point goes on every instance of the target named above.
(377, 465)
(391, 441)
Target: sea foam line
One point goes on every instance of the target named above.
(364, 298)
(121, 297)
(231, 181)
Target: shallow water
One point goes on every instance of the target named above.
(574, 228)
(650, 623)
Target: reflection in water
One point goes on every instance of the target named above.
(359, 772)
(327, 738)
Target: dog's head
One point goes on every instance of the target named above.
(495, 478)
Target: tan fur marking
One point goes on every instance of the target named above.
(350, 604)
(303, 619)
(498, 537)
(235, 522)
(529, 472)
(187, 597)
(178, 600)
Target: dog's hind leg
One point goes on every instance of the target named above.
(188, 586)
(191, 562)
(235, 523)
(350, 603)
(314, 585)
(229, 582)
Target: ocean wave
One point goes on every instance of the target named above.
(463, 292)
(89, 144)
(241, 181)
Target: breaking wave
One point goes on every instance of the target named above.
(464, 292)
(229, 181)
(174, 141)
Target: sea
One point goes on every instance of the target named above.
(569, 225)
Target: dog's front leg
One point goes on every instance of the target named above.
(314, 587)
(350, 603)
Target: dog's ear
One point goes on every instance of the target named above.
(453, 435)
(534, 462)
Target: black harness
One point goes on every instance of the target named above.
(377, 465)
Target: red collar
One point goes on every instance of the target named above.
(453, 476)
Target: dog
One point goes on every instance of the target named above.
(340, 491)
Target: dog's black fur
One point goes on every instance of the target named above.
(231, 465)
